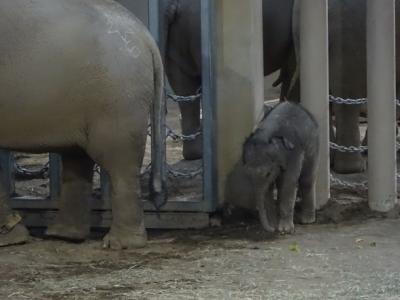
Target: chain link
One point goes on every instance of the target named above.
(349, 101)
(338, 182)
(338, 100)
(182, 137)
(348, 149)
(184, 99)
(184, 174)
(179, 137)
(175, 173)
(26, 173)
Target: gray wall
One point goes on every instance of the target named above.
(138, 7)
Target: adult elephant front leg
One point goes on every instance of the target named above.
(347, 134)
(185, 85)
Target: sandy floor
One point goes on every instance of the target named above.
(347, 261)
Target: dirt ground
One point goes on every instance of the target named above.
(346, 261)
(351, 253)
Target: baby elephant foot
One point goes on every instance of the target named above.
(286, 226)
(307, 217)
(15, 236)
(118, 239)
(68, 232)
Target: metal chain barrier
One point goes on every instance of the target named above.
(184, 99)
(182, 137)
(27, 174)
(338, 100)
(348, 101)
(184, 174)
(355, 185)
(352, 149)
(349, 149)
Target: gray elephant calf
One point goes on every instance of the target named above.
(283, 151)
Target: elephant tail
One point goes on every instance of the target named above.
(296, 46)
(157, 187)
(266, 221)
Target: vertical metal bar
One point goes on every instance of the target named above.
(105, 188)
(314, 66)
(158, 138)
(154, 20)
(381, 104)
(210, 190)
(7, 170)
(55, 175)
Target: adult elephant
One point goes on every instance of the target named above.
(78, 77)
(181, 48)
(347, 41)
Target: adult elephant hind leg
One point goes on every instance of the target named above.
(73, 219)
(185, 85)
(121, 155)
(127, 230)
(348, 134)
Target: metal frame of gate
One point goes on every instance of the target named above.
(37, 212)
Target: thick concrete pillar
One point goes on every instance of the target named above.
(381, 104)
(237, 51)
(314, 66)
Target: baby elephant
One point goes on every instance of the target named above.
(283, 152)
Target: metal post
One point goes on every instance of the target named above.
(381, 104)
(154, 20)
(210, 186)
(55, 175)
(7, 170)
(314, 66)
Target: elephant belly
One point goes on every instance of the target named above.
(66, 66)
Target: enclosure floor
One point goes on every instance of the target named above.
(344, 261)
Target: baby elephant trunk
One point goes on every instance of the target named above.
(266, 211)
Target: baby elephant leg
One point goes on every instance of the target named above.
(287, 188)
(286, 199)
(307, 191)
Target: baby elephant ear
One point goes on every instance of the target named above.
(288, 144)
(279, 140)
(267, 109)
